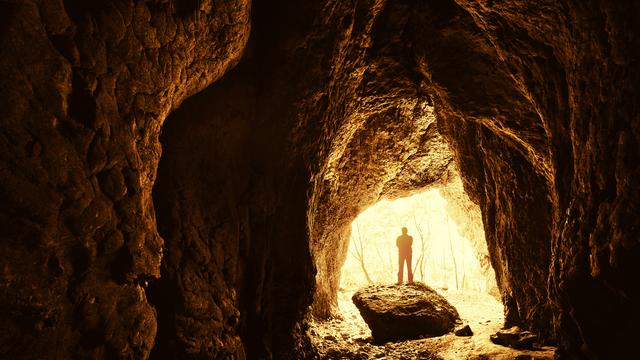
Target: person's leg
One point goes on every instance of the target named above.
(400, 266)
(409, 270)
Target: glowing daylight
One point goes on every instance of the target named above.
(440, 253)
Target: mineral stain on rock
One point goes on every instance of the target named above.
(405, 311)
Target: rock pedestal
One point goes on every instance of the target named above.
(409, 311)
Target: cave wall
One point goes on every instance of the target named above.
(330, 110)
(543, 118)
(237, 275)
(85, 87)
(496, 161)
(537, 102)
(243, 196)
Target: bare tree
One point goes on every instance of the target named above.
(386, 264)
(358, 252)
(464, 257)
(420, 261)
(453, 256)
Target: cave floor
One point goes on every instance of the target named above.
(350, 338)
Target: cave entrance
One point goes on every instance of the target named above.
(449, 255)
(443, 253)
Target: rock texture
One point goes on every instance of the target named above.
(218, 204)
(463, 331)
(85, 88)
(378, 136)
(336, 105)
(514, 337)
(407, 311)
(536, 100)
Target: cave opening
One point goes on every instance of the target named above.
(444, 247)
(450, 256)
(179, 178)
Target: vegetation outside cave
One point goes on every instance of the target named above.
(446, 255)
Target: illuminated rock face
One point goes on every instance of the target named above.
(536, 99)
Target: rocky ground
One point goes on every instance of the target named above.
(350, 338)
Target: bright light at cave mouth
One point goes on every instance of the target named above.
(445, 254)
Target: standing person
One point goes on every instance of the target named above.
(403, 242)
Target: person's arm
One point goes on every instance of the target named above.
(398, 241)
(410, 241)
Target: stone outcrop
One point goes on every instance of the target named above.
(86, 86)
(405, 311)
(335, 105)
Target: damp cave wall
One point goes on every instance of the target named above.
(536, 100)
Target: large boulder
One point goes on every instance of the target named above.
(405, 311)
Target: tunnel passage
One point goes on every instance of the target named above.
(389, 154)
(537, 100)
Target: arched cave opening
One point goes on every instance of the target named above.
(233, 241)
(449, 247)
(449, 254)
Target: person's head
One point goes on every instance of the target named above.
(404, 231)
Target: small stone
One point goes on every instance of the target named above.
(464, 331)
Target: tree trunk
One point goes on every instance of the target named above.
(359, 253)
(453, 257)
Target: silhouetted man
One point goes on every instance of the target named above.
(404, 242)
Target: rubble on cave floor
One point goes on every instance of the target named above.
(350, 338)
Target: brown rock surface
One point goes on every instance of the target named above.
(514, 337)
(85, 88)
(337, 104)
(404, 311)
(535, 98)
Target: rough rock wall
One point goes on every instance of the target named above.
(365, 131)
(85, 87)
(237, 275)
(201, 196)
(231, 199)
(482, 117)
(537, 99)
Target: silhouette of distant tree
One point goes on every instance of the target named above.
(357, 251)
